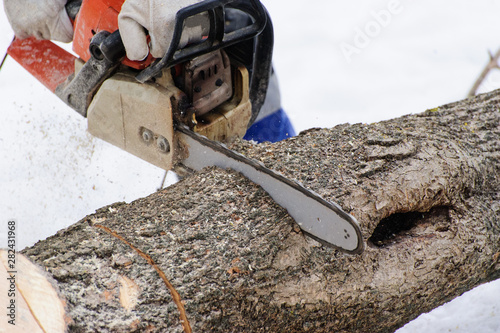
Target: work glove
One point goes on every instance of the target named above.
(157, 17)
(43, 19)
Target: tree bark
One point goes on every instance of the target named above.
(425, 189)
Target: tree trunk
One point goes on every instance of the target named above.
(425, 189)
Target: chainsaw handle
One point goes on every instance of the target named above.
(218, 38)
(110, 45)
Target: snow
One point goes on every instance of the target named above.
(338, 61)
(475, 311)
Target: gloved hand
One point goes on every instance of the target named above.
(43, 19)
(158, 18)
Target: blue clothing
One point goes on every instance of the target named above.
(274, 127)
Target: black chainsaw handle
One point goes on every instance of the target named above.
(218, 37)
(110, 46)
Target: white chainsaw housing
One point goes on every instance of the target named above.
(138, 117)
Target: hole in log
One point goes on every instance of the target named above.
(416, 225)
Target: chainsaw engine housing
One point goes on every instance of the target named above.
(138, 118)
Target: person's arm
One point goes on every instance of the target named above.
(43, 19)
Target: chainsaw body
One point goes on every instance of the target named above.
(204, 83)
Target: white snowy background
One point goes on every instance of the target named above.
(405, 56)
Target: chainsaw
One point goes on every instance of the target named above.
(178, 111)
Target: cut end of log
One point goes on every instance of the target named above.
(29, 294)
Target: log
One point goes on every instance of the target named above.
(215, 253)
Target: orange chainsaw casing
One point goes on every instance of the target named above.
(47, 62)
(95, 16)
(51, 64)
